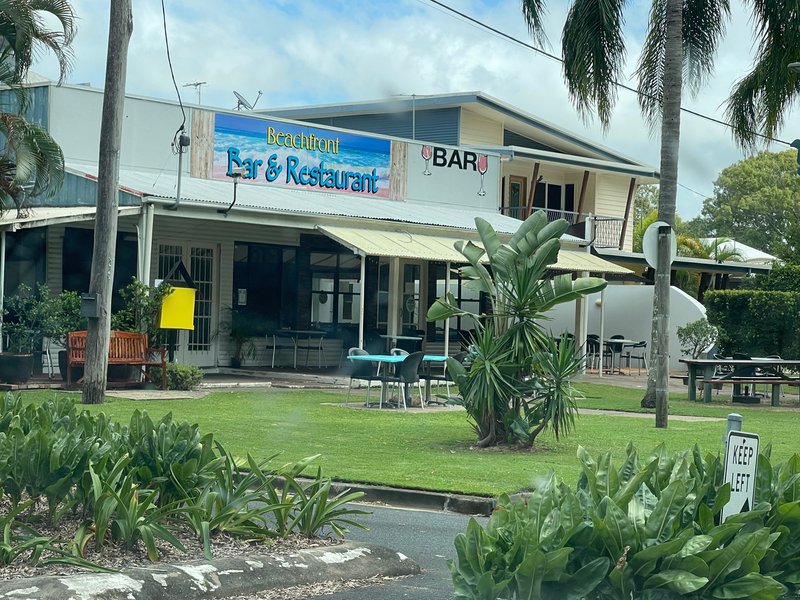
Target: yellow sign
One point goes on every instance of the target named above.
(177, 309)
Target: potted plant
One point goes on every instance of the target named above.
(240, 328)
(21, 328)
(60, 315)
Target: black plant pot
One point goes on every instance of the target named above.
(77, 372)
(15, 368)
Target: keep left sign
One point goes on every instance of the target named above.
(741, 466)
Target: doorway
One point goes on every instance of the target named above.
(195, 347)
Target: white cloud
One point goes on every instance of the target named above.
(309, 51)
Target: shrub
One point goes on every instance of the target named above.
(183, 376)
(696, 337)
(648, 529)
(758, 323)
(134, 483)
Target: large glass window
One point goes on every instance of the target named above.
(335, 288)
(265, 284)
(25, 259)
(76, 268)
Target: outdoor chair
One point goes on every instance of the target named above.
(640, 357)
(277, 342)
(596, 352)
(363, 371)
(434, 374)
(406, 373)
(616, 350)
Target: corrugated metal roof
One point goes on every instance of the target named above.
(273, 199)
(404, 244)
(40, 216)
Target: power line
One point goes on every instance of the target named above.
(172, 73)
(515, 40)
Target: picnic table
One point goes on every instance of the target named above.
(739, 371)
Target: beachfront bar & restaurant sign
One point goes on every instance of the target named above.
(271, 152)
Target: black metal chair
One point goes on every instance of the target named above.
(406, 373)
(616, 350)
(427, 372)
(640, 358)
(363, 370)
(277, 341)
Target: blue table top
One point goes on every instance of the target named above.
(395, 358)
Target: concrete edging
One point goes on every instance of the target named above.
(219, 578)
(421, 499)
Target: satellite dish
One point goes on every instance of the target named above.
(242, 102)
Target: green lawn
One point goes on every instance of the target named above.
(432, 450)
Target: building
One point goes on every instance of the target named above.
(312, 226)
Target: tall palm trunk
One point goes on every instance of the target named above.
(658, 377)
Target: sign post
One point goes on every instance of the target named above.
(741, 466)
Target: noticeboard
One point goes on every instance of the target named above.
(741, 467)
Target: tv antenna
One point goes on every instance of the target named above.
(196, 85)
(242, 103)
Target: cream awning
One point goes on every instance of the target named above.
(42, 216)
(404, 244)
(577, 261)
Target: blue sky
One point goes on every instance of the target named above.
(305, 51)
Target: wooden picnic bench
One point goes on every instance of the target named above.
(124, 348)
(775, 373)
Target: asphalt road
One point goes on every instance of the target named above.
(426, 537)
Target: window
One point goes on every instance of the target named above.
(335, 288)
(76, 268)
(265, 284)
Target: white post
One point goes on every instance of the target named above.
(602, 328)
(581, 322)
(447, 321)
(147, 255)
(362, 303)
(395, 297)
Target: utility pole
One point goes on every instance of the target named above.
(105, 228)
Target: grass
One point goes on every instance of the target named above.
(433, 450)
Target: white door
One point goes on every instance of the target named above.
(195, 347)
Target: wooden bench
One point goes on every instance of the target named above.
(124, 348)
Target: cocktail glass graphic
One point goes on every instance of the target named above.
(427, 153)
(483, 166)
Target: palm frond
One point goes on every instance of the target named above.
(593, 47)
(533, 11)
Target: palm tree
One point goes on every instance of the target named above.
(31, 163)
(760, 100)
(718, 249)
(681, 40)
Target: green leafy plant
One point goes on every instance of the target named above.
(235, 502)
(648, 529)
(754, 321)
(138, 517)
(696, 337)
(240, 328)
(170, 457)
(315, 509)
(520, 290)
(22, 318)
(141, 310)
(180, 376)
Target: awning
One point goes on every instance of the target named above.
(577, 261)
(42, 216)
(416, 246)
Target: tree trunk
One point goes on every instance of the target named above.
(105, 229)
(658, 376)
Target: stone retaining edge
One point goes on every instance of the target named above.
(219, 578)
